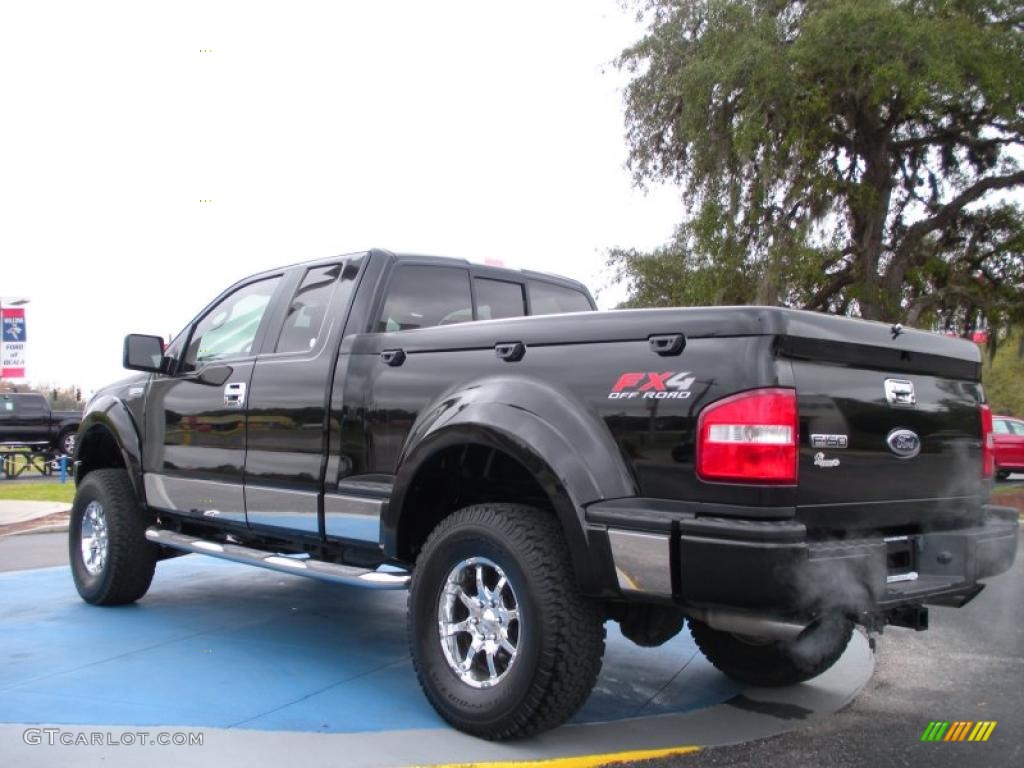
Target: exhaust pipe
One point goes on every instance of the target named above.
(750, 624)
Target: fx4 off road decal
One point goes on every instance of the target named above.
(652, 386)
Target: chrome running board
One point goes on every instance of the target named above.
(314, 569)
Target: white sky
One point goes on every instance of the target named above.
(467, 129)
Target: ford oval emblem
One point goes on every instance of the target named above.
(904, 443)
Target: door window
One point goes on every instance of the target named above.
(1016, 427)
(308, 309)
(1001, 427)
(229, 329)
(425, 296)
(498, 298)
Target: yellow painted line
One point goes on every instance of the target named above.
(581, 761)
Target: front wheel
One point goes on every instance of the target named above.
(1002, 474)
(765, 662)
(112, 562)
(503, 642)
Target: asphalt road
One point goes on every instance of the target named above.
(969, 666)
(33, 550)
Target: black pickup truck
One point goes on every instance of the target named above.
(26, 419)
(530, 468)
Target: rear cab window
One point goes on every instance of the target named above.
(553, 299)
(496, 299)
(427, 295)
(422, 296)
(30, 404)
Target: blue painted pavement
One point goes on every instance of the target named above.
(218, 644)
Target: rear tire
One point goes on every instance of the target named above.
(66, 443)
(112, 563)
(775, 663)
(540, 640)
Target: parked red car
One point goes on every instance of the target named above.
(1009, 437)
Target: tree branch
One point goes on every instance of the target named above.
(945, 214)
(839, 280)
(953, 137)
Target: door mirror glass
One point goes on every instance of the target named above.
(143, 353)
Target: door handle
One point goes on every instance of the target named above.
(393, 357)
(234, 395)
(510, 351)
(667, 344)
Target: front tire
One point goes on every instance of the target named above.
(1002, 474)
(774, 663)
(503, 642)
(112, 563)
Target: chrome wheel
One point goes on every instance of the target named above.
(67, 445)
(94, 538)
(478, 621)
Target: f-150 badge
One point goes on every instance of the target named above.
(829, 441)
(652, 386)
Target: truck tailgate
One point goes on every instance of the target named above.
(890, 448)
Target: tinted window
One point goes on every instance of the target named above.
(497, 298)
(29, 404)
(423, 296)
(229, 329)
(551, 299)
(1000, 427)
(308, 309)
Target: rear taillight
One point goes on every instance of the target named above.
(988, 443)
(749, 438)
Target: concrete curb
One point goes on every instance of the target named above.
(57, 528)
(16, 511)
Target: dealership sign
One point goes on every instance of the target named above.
(12, 355)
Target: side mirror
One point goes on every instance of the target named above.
(143, 353)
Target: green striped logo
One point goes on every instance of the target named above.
(958, 730)
(935, 731)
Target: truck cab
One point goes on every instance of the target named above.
(27, 419)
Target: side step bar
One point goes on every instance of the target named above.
(314, 569)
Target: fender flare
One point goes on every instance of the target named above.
(110, 413)
(570, 453)
(65, 425)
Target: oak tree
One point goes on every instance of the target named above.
(855, 156)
